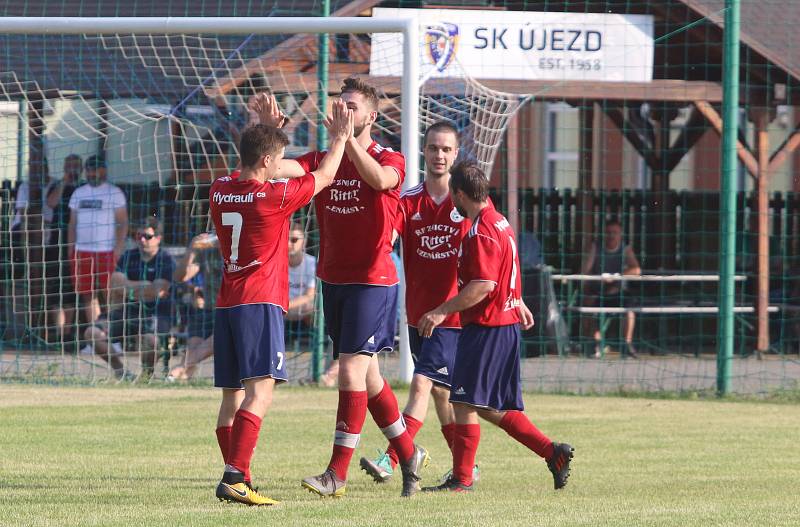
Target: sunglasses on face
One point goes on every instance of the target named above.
(145, 236)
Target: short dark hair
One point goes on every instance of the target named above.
(468, 177)
(258, 141)
(354, 84)
(441, 126)
(72, 157)
(95, 162)
(152, 223)
(612, 222)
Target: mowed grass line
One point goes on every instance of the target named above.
(104, 456)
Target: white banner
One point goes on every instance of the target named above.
(522, 45)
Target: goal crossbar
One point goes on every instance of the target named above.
(258, 25)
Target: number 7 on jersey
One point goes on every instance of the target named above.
(233, 219)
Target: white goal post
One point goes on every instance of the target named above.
(410, 133)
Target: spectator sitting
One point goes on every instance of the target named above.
(614, 257)
(139, 294)
(98, 225)
(201, 269)
(302, 277)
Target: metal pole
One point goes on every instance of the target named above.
(322, 80)
(730, 125)
(318, 354)
(410, 132)
(51, 25)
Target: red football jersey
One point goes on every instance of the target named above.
(489, 253)
(356, 222)
(252, 222)
(432, 234)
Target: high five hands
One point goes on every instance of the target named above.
(340, 122)
(263, 109)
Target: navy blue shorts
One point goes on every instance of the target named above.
(434, 356)
(360, 318)
(129, 322)
(487, 370)
(200, 323)
(248, 343)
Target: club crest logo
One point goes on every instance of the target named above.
(455, 217)
(441, 41)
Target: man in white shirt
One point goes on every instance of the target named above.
(302, 276)
(98, 226)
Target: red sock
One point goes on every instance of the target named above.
(449, 431)
(244, 436)
(350, 418)
(224, 441)
(384, 410)
(412, 426)
(517, 425)
(465, 447)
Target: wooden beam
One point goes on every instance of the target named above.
(713, 117)
(692, 131)
(617, 116)
(293, 79)
(785, 150)
(293, 48)
(761, 119)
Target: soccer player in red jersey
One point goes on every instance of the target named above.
(356, 216)
(431, 229)
(251, 216)
(486, 377)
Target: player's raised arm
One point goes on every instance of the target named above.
(263, 109)
(373, 173)
(340, 129)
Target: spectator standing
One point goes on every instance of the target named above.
(61, 293)
(98, 226)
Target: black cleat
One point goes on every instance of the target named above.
(559, 464)
(411, 470)
(451, 485)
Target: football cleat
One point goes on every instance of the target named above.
(629, 351)
(450, 485)
(411, 470)
(559, 464)
(381, 469)
(242, 492)
(326, 484)
(476, 474)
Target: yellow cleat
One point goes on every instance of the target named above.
(242, 493)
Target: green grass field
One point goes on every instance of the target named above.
(147, 456)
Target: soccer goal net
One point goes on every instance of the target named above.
(134, 118)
